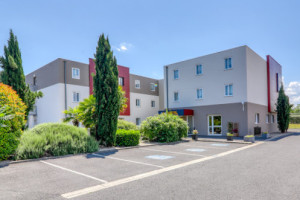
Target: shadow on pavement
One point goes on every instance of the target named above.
(102, 154)
(283, 136)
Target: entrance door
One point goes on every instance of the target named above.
(214, 125)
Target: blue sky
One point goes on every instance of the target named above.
(146, 35)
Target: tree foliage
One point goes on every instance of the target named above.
(12, 119)
(13, 74)
(106, 93)
(283, 108)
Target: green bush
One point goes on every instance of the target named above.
(122, 124)
(55, 139)
(127, 137)
(165, 127)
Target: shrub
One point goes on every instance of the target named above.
(165, 127)
(122, 124)
(10, 130)
(55, 139)
(127, 137)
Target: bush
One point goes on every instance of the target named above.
(127, 137)
(165, 127)
(122, 124)
(55, 139)
(10, 130)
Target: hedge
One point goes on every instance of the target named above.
(127, 137)
(55, 139)
(294, 119)
(10, 130)
(122, 124)
(165, 127)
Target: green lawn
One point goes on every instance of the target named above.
(294, 126)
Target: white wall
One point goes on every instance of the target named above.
(145, 110)
(51, 106)
(257, 88)
(212, 81)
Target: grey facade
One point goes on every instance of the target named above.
(145, 84)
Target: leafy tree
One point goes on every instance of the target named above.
(85, 112)
(106, 93)
(13, 74)
(283, 108)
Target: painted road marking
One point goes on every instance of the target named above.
(159, 157)
(196, 150)
(75, 172)
(220, 145)
(96, 188)
(203, 146)
(171, 152)
(136, 162)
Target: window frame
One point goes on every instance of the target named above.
(152, 101)
(225, 88)
(77, 96)
(198, 89)
(138, 119)
(123, 81)
(267, 118)
(152, 84)
(177, 74)
(137, 82)
(77, 76)
(136, 102)
(226, 63)
(177, 96)
(272, 119)
(257, 118)
(197, 69)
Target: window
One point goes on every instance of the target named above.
(198, 69)
(152, 87)
(267, 118)
(272, 118)
(277, 83)
(138, 102)
(121, 81)
(138, 121)
(76, 97)
(199, 94)
(228, 90)
(137, 84)
(176, 74)
(257, 118)
(75, 73)
(152, 104)
(228, 63)
(176, 96)
(34, 80)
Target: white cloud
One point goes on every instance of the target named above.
(293, 91)
(123, 46)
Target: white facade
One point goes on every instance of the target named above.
(247, 76)
(50, 107)
(144, 110)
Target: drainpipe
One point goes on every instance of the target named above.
(65, 82)
(167, 86)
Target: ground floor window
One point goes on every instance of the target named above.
(257, 118)
(272, 119)
(267, 118)
(214, 125)
(138, 121)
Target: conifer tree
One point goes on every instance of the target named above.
(13, 74)
(283, 108)
(106, 93)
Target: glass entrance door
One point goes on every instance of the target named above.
(214, 125)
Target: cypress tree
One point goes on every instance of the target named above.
(106, 93)
(283, 108)
(13, 73)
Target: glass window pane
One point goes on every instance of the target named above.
(230, 90)
(210, 120)
(217, 120)
(217, 130)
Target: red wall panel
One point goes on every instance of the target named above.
(123, 72)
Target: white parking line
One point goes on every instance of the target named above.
(96, 188)
(173, 152)
(136, 162)
(188, 145)
(75, 172)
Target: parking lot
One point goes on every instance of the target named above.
(76, 176)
